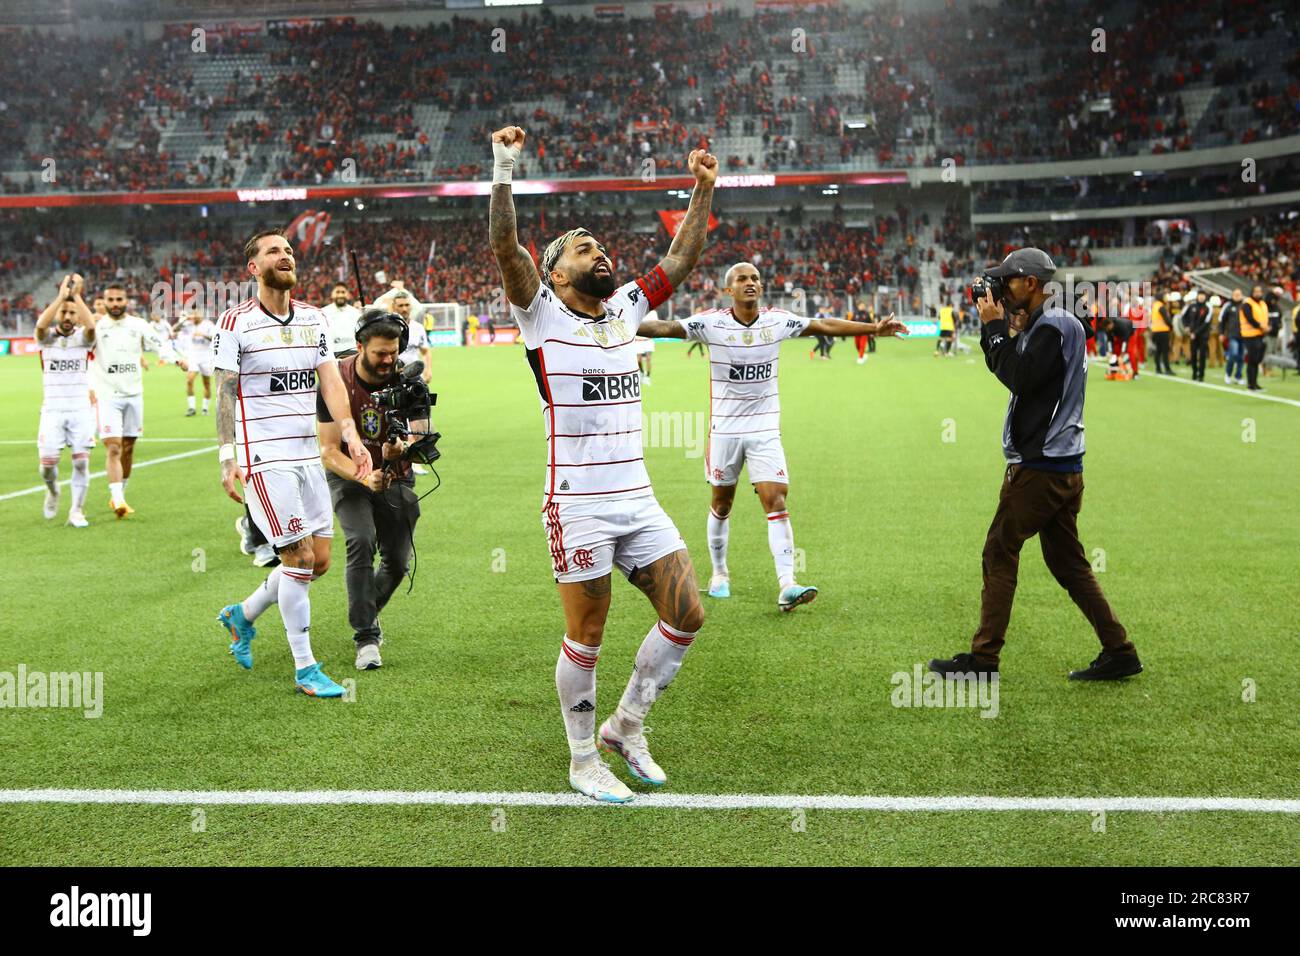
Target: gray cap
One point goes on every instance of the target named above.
(1026, 262)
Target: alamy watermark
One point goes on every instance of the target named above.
(925, 688)
(77, 690)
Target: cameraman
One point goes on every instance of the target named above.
(1045, 368)
(380, 511)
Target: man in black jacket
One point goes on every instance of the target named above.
(1196, 323)
(1046, 369)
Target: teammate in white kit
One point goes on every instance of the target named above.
(598, 508)
(66, 334)
(194, 338)
(745, 414)
(269, 351)
(165, 333)
(342, 320)
(645, 349)
(117, 379)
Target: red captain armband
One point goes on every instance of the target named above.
(656, 287)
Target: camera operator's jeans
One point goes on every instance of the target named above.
(383, 522)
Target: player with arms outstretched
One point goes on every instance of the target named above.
(745, 413)
(599, 511)
(117, 376)
(269, 352)
(66, 416)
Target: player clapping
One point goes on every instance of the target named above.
(65, 332)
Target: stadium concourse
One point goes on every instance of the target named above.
(873, 157)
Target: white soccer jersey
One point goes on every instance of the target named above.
(342, 325)
(198, 339)
(276, 358)
(416, 340)
(120, 345)
(743, 398)
(65, 362)
(590, 390)
(162, 329)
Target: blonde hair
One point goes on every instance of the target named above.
(551, 254)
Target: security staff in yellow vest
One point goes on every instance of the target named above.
(947, 330)
(1179, 342)
(1254, 328)
(1160, 332)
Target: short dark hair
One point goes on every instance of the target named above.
(250, 247)
(340, 285)
(115, 285)
(385, 328)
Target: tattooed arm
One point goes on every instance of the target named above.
(227, 383)
(688, 244)
(518, 273)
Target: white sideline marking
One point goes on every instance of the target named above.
(100, 474)
(671, 801)
(144, 438)
(1231, 390)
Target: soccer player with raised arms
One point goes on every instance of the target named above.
(269, 352)
(745, 413)
(598, 508)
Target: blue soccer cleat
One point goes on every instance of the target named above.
(313, 682)
(233, 620)
(794, 595)
(720, 586)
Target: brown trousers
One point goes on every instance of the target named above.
(1043, 503)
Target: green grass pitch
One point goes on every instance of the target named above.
(1190, 495)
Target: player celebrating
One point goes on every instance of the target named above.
(599, 511)
(269, 351)
(66, 417)
(164, 332)
(121, 340)
(197, 332)
(745, 413)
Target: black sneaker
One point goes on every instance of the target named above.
(963, 665)
(1110, 666)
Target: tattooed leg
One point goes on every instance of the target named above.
(670, 585)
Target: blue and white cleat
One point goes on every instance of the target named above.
(233, 620)
(632, 748)
(720, 586)
(313, 682)
(592, 778)
(794, 595)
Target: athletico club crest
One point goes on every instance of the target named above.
(370, 422)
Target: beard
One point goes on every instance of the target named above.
(375, 373)
(116, 311)
(275, 280)
(600, 287)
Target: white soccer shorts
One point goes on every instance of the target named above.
(646, 347)
(763, 454)
(289, 504)
(587, 539)
(203, 365)
(121, 417)
(61, 429)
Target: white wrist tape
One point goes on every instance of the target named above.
(226, 452)
(504, 159)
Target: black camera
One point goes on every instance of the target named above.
(995, 284)
(409, 399)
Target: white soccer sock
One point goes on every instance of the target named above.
(205, 402)
(80, 480)
(267, 593)
(575, 681)
(189, 402)
(718, 533)
(50, 475)
(657, 663)
(295, 611)
(115, 489)
(780, 538)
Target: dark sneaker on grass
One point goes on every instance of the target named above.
(963, 665)
(1109, 666)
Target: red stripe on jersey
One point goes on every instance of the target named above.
(750, 414)
(630, 431)
(232, 315)
(583, 494)
(281, 438)
(587, 345)
(757, 431)
(273, 461)
(239, 390)
(550, 408)
(656, 286)
(555, 538)
(600, 464)
(630, 401)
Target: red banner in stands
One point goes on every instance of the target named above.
(672, 220)
(196, 197)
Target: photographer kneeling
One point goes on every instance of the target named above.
(381, 511)
(1045, 368)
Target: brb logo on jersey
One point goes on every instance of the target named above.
(750, 373)
(599, 387)
(295, 380)
(63, 365)
(122, 368)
